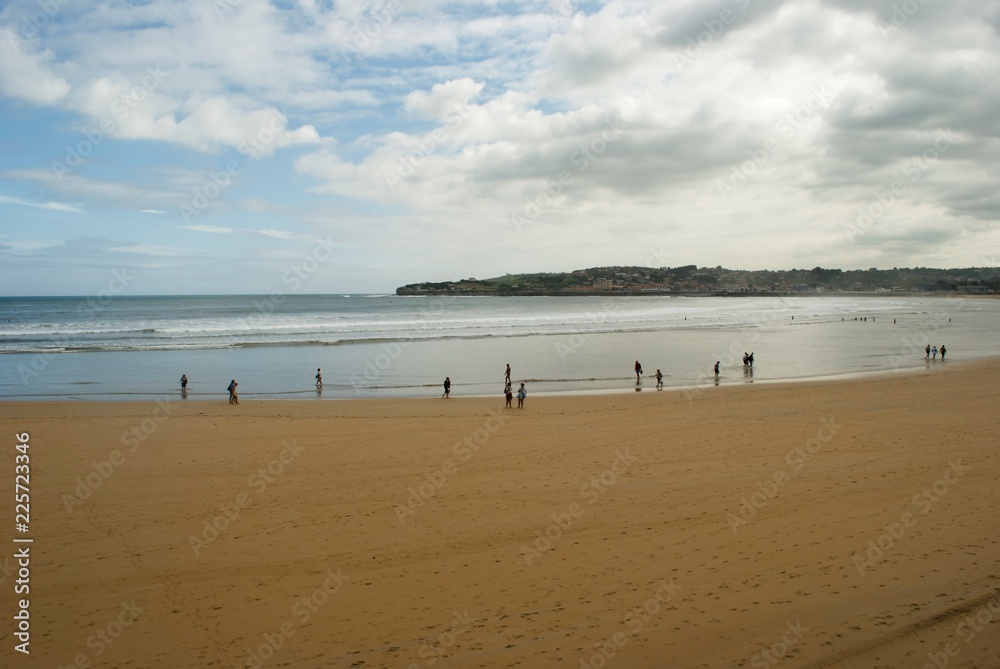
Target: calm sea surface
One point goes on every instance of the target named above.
(390, 346)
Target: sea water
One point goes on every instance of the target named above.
(393, 346)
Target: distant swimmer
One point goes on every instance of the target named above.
(638, 371)
(447, 387)
(319, 379)
(659, 379)
(716, 367)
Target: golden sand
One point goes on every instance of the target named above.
(829, 524)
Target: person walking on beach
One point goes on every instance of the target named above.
(943, 351)
(927, 352)
(233, 397)
(659, 379)
(750, 359)
(746, 358)
(716, 368)
(319, 379)
(521, 394)
(506, 374)
(508, 395)
(184, 382)
(638, 372)
(447, 387)
(934, 353)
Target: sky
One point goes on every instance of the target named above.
(310, 146)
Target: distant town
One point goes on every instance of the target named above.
(694, 280)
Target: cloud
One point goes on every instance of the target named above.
(29, 246)
(111, 194)
(286, 235)
(152, 250)
(211, 229)
(214, 122)
(27, 74)
(443, 98)
(51, 206)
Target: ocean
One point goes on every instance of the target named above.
(390, 346)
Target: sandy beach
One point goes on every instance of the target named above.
(825, 524)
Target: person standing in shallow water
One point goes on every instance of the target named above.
(716, 368)
(943, 351)
(319, 379)
(659, 379)
(184, 381)
(638, 371)
(506, 374)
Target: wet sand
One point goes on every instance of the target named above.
(830, 524)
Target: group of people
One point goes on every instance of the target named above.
(747, 360)
(659, 375)
(931, 352)
(508, 395)
(233, 397)
(638, 374)
(522, 392)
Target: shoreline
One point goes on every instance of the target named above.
(648, 386)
